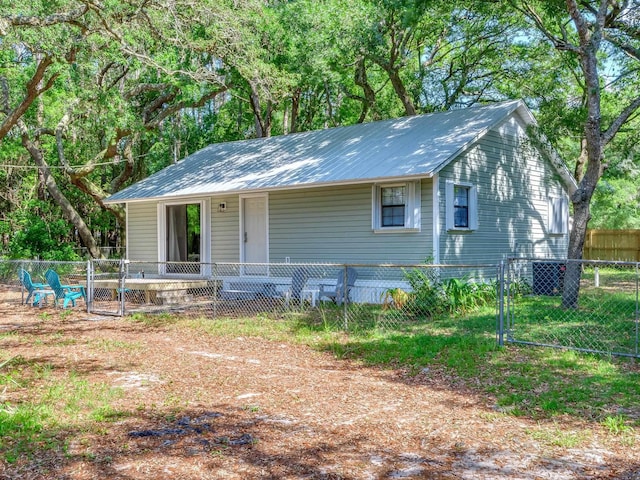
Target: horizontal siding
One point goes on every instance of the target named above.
(514, 184)
(334, 225)
(330, 225)
(225, 245)
(142, 232)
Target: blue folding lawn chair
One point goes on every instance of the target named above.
(36, 291)
(66, 293)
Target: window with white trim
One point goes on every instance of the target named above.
(396, 207)
(558, 215)
(461, 206)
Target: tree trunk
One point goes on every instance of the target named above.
(295, 111)
(263, 123)
(573, 273)
(401, 91)
(592, 151)
(591, 20)
(70, 213)
(369, 100)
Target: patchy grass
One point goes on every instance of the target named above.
(534, 382)
(196, 387)
(52, 404)
(112, 345)
(604, 321)
(539, 383)
(560, 437)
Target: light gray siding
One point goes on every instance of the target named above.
(514, 185)
(225, 225)
(334, 225)
(142, 232)
(330, 224)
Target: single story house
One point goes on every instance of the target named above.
(463, 186)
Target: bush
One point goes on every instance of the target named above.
(465, 295)
(427, 297)
(47, 240)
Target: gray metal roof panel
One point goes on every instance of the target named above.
(403, 147)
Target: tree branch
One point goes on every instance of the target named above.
(184, 104)
(39, 22)
(615, 126)
(33, 91)
(145, 87)
(69, 212)
(559, 43)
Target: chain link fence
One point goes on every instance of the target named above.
(344, 296)
(334, 295)
(71, 274)
(591, 306)
(585, 305)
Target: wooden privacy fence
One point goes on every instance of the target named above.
(615, 245)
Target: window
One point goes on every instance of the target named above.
(396, 207)
(558, 216)
(461, 206)
(393, 206)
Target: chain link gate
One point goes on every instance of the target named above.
(101, 300)
(589, 306)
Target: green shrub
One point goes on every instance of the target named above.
(44, 238)
(465, 295)
(427, 297)
(430, 296)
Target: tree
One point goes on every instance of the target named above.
(425, 56)
(600, 35)
(103, 73)
(24, 47)
(41, 79)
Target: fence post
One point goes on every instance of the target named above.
(121, 282)
(21, 267)
(501, 303)
(89, 292)
(345, 297)
(637, 305)
(215, 290)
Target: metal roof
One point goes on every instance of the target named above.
(416, 146)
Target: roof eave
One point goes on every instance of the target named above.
(239, 191)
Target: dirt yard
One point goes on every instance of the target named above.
(202, 407)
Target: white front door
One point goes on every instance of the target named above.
(254, 233)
